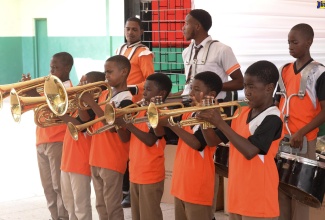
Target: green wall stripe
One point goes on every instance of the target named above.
(10, 59)
(17, 53)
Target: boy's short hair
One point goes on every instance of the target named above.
(265, 71)
(203, 17)
(95, 76)
(136, 20)
(162, 81)
(121, 62)
(211, 80)
(305, 29)
(65, 58)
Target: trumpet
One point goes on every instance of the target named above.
(21, 87)
(130, 113)
(44, 117)
(75, 93)
(154, 114)
(54, 95)
(74, 129)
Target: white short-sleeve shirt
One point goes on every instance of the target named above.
(220, 59)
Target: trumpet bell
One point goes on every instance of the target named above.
(56, 95)
(20, 105)
(73, 131)
(110, 114)
(153, 116)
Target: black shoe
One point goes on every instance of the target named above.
(126, 203)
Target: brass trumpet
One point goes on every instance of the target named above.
(21, 87)
(76, 92)
(54, 95)
(74, 129)
(44, 117)
(154, 114)
(130, 112)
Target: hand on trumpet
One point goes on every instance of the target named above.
(213, 115)
(25, 77)
(83, 80)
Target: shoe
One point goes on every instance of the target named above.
(126, 203)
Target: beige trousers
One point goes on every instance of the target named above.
(76, 195)
(291, 209)
(108, 190)
(190, 211)
(216, 189)
(145, 201)
(49, 162)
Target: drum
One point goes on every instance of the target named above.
(221, 158)
(320, 145)
(320, 157)
(301, 178)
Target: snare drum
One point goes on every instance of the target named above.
(221, 158)
(301, 178)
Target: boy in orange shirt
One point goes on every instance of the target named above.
(110, 149)
(254, 140)
(141, 59)
(75, 168)
(306, 104)
(194, 172)
(49, 142)
(146, 159)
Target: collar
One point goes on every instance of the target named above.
(134, 44)
(204, 42)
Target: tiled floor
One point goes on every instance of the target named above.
(21, 193)
(34, 208)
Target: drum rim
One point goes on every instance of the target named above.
(302, 159)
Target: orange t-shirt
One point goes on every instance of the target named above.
(147, 164)
(194, 172)
(141, 68)
(75, 154)
(253, 184)
(54, 133)
(302, 111)
(107, 150)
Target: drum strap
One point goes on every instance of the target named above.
(301, 92)
(195, 62)
(134, 48)
(303, 82)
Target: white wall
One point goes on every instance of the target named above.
(65, 18)
(9, 18)
(258, 29)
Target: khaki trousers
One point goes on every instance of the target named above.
(108, 189)
(291, 209)
(49, 162)
(216, 189)
(240, 217)
(76, 195)
(190, 211)
(145, 201)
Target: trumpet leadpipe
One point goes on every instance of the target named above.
(154, 113)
